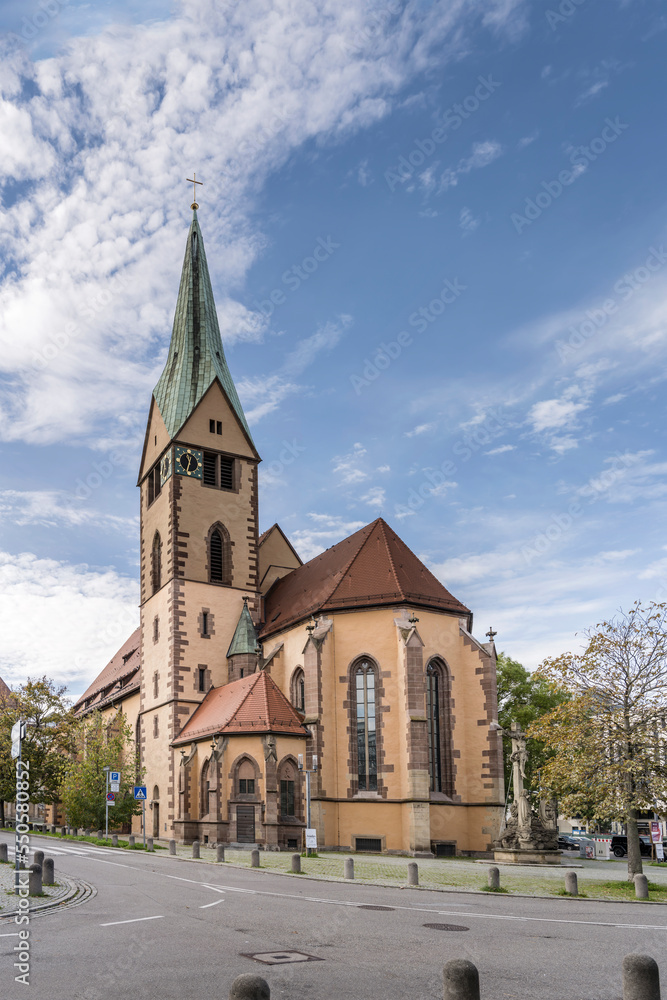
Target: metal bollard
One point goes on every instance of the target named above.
(3, 852)
(571, 884)
(149, 843)
(250, 987)
(413, 873)
(220, 852)
(296, 864)
(494, 877)
(195, 848)
(461, 980)
(35, 880)
(254, 859)
(172, 847)
(349, 867)
(48, 872)
(641, 887)
(130, 840)
(114, 840)
(38, 857)
(641, 978)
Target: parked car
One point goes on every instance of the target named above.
(619, 846)
(567, 843)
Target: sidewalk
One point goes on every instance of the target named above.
(53, 894)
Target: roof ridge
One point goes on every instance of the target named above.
(383, 525)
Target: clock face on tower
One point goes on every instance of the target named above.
(188, 462)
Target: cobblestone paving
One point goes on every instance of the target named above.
(444, 873)
(8, 899)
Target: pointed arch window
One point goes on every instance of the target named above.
(204, 787)
(438, 714)
(364, 686)
(219, 555)
(299, 689)
(156, 562)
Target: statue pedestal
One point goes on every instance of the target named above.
(527, 856)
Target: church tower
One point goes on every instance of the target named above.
(199, 522)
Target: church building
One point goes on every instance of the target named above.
(250, 666)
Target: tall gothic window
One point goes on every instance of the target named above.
(440, 763)
(156, 562)
(216, 556)
(204, 786)
(367, 769)
(219, 555)
(299, 689)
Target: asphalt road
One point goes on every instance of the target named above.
(165, 929)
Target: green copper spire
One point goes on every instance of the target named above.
(195, 355)
(245, 637)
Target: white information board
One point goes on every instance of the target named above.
(311, 839)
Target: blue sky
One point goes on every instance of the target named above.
(478, 355)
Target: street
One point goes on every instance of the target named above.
(161, 927)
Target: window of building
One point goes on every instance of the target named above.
(211, 426)
(204, 787)
(438, 714)
(154, 484)
(216, 556)
(156, 682)
(299, 689)
(218, 427)
(155, 727)
(366, 727)
(156, 562)
(156, 629)
(218, 469)
(204, 623)
(246, 786)
(286, 797)
(202, 678)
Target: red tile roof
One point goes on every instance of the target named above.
(4, 690)
(253, 704)
(121, 674)
(371, 568)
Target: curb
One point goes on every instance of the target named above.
(78, 892)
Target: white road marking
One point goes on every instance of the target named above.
(411, 909)
(214, 903)
(135, 920)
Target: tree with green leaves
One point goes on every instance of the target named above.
(49, 739)
(523, 697)
(608, 740)
(100, 743)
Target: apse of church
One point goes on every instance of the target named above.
(247, 660)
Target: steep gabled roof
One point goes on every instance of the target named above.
(196, 357)
(370, 568)
(245, 636)
(253, 704)
(121, 675)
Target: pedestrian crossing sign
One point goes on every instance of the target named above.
(140, 792)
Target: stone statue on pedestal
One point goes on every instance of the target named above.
(526, 830)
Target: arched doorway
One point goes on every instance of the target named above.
(156, 812)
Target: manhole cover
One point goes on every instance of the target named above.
(282, 957)
(446, 927)
(366, 906)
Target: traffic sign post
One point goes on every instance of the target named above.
(140, 795)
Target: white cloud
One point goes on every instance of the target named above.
(74, 619)
(347, 466)
(53, 508)
(482, 154)
(327, 530)
(420, 429)
(550, 414)
(467, 222)
(375, 497)
(501, 450)
(616, 398)
(527, 140)
(325, 338)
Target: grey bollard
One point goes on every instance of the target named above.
(35, 880)
(100, 834)
(254, 859)
(48, 872)
(349, 867)
(114, 840)
(52, 828)
(413, 873)
(130, 840)
(149, 843)
(641, 887)
(38, 857)
(195, 848)
(172, 846)
(571, 884)
(220, 852)
(641, 978)
(86, 832)
(494, 877)
(3, 852)
(461, 980)
(63, 831)
(296, 864)
(250, 987)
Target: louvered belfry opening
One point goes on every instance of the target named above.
(216, 556)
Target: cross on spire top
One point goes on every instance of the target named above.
(193, 180)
